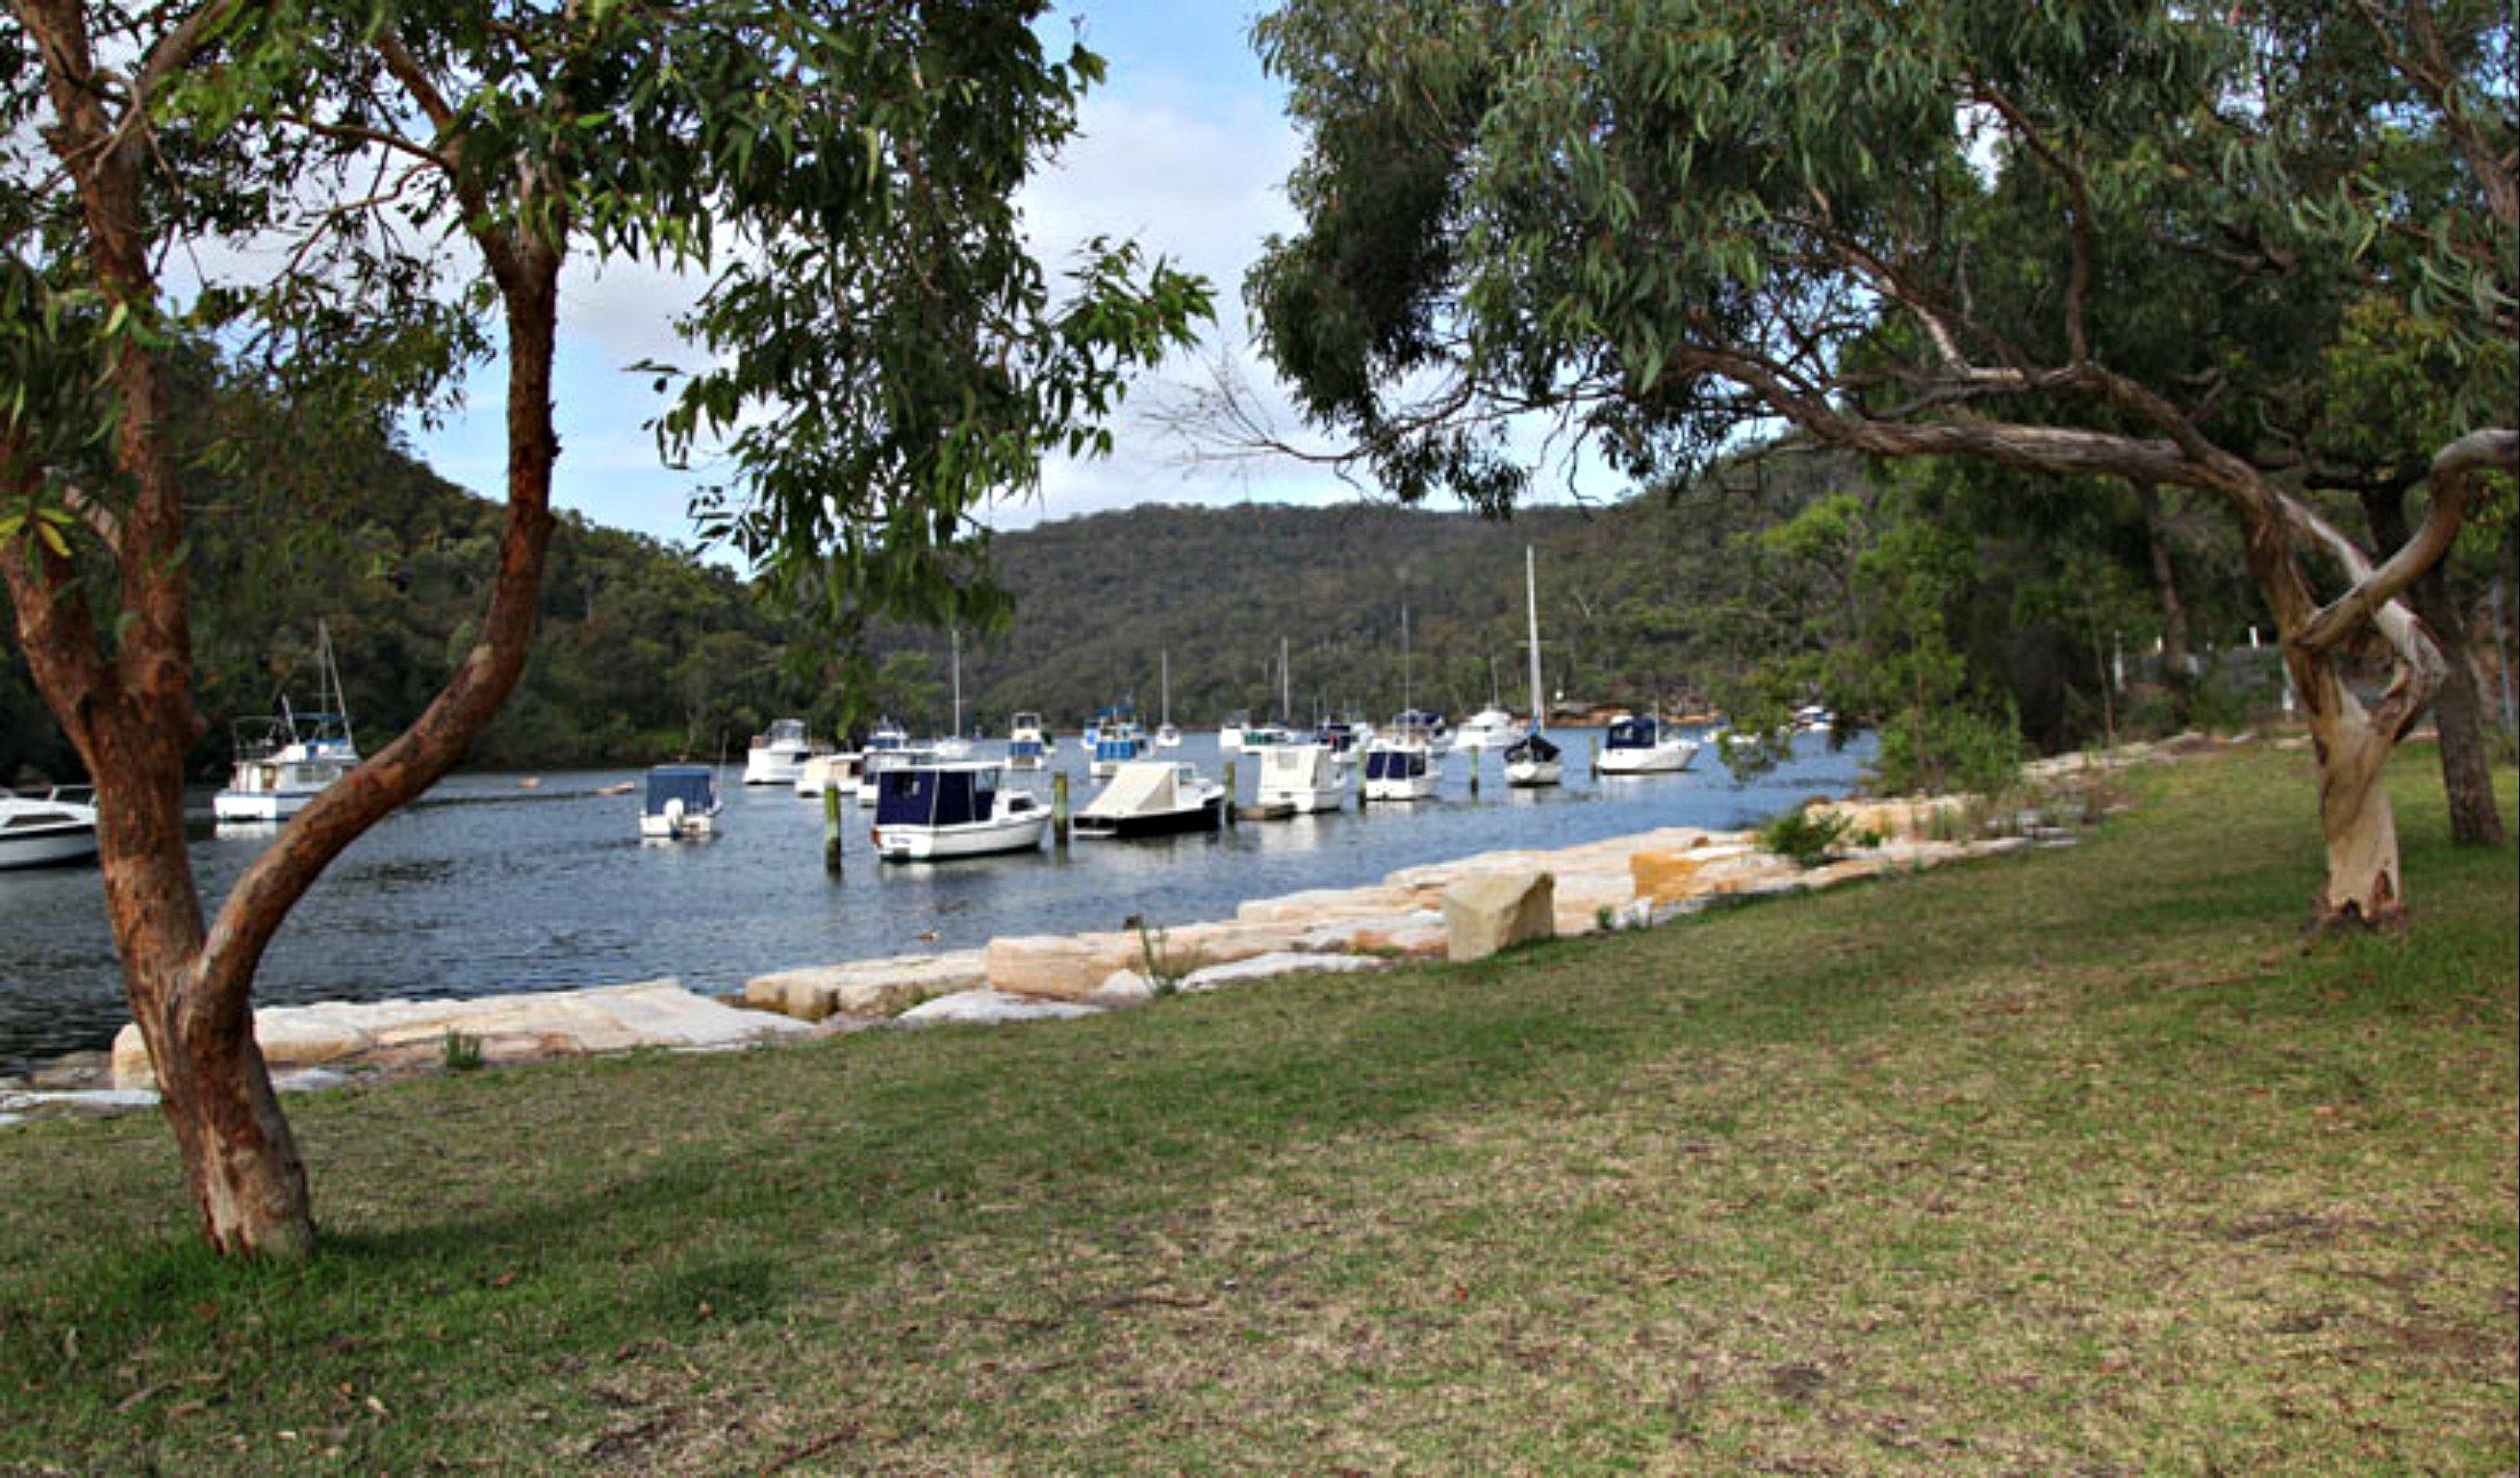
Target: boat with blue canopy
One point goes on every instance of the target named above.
(932, 812)
(1647, 745)
(681, 802)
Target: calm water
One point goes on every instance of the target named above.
(484, 887)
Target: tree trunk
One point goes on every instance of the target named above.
(2364, 886)
(2174, 644)
(2458, 709)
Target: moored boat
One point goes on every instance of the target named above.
(827, 772)
(937, 812)
(1117, 742)
(1029, 743)
(290, 758)
(1301, 779)
(681, 802)
(1400, 762)
(1634, 745)
(1532, 761)
(46, 830)
(1153, 799)
(775, 756)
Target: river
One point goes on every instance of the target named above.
(486, 886)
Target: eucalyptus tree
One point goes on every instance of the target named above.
(2095, 240)
(352, 201)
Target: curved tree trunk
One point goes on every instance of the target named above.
(2365, 886)
(2458, 709)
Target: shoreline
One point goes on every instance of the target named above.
(1635, 881)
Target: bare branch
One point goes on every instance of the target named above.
(2452, 471)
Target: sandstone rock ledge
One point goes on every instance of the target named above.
(657, 1013)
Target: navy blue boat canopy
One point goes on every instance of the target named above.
(925, 797)
(1394, 764)
(1531, 746)
(1632, 734)
(692, 784)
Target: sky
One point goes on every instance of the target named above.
(1186, 148)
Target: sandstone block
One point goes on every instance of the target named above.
(1265, 966)
(988, 1008)
(1122, 989)
(867, 987)
(1060, 967)
(1487, 913)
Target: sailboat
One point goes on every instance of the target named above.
(954, 746)
(287, 760)
(1166, 736)
(1258, 739)
(1400, 761)
(1488, 728)
(1532, 761)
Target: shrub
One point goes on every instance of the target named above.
(462, 1052)
(1802, 836)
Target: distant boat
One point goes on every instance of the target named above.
(1488, 728)
(873, 764)
(1344, 738)
(1303, 778)
(1117, 741)
(48, 830)
(1532, 761)
(1812, 718)
(1259, 738)
(681, 803)
(1635, 745)
(287, 760)
(954, 746)
(1153, 799)
(1400, 761)
(777, 755)
(1228, 734)
(934, 813)
(1029, 743)
(837, 770)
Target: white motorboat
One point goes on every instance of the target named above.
(1029, 743)
(284, 761)
(1491, 728)
(1532, 761)
(1153, 799)
(1400, 763)
(1168, 736)
(681, 803)
(1812, 718)
(935, 812)
(49, 830)
(776, 756)
(827, 772)
(1228, 734)
(1647, 745)
(1304, 777)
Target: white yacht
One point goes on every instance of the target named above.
(681, 803)
(827, 772)
(777, 755)
(933, 812)
(1301, 779)
(286, 760)
(47, 830)
(1635, 745)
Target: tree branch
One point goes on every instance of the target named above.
(2452, 471)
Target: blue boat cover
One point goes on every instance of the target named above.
(1119, 747)
(1632, 734)
(692, 784)
(917, 797)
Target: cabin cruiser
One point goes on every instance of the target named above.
(1491, 728)
(286, 760)
(1400, 761)
(1028, 744)
(932, 812)
(1300, 779)
(1228, 734)
(45, 831)
(1425, 724)
(776, 756)
(827, 772)
(1153, 799)
(681, 803)
(1635, 745)
(1117, 742)
(1344, 739)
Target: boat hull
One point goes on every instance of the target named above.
(49, 847)
(684, 828)
(1304, 800)
(988, 838)
(1207, 815)
(259, 805)
(1662, 759)
(773, 767)
(1532, 774)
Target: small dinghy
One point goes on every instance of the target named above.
(681, 803)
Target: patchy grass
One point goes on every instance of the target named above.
(2080, 1162)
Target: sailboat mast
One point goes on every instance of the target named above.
(1285, 686)
(1405, 705)
(1531, 603)
(957, 681)
(1165, 656)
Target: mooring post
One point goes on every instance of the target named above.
(1233, 793)
(1596, 754)
(1476, 756)
(831, 826)
(1058, 809)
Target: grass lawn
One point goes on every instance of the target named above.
(2079, 1162)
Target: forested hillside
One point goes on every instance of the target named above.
(648, 653)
